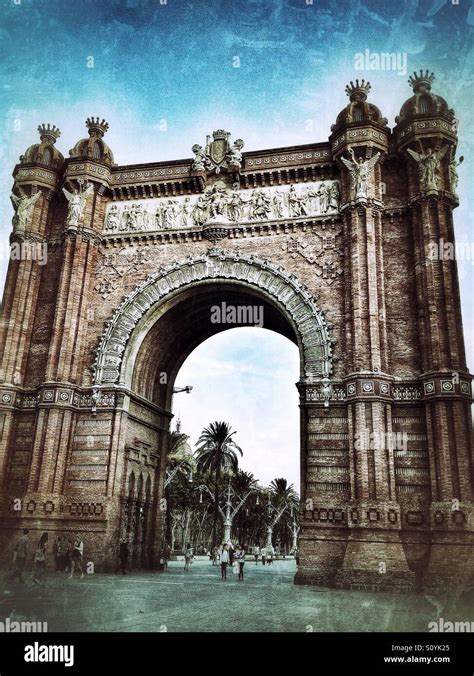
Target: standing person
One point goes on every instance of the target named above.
(188, 558)
(240, 558)
(20, 555)
(270, 552)
(123, 557)
(62, 553)
(69, 548)
(166, 555)
(76, 556)
(224, 561)
(256, 553)
(263, 553)
(39, 560)
(56, 554)
(215, 556)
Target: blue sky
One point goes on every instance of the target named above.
(165, 75)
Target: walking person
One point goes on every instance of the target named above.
(263, 553)
(39, 560)
(76, 556)
(270, 553)
(240, 559)
(122, 557)
(188, 558)
(215, 556)
(256, 553)
(224, 561)
(20, 556)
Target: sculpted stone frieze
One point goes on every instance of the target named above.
(219, 202)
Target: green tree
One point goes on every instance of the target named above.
(217, 453)
(180, 460)
(242, 483)
(283, 497)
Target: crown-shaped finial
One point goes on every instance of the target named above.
(96, 127)
(359, 90)
(49, 133)
(220, 134)
(417, 81)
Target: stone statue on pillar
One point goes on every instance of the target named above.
(77, 202)
(453, 172)
(359, 170)
(429, 164)
(24, 211)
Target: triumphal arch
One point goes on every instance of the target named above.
(335, 241)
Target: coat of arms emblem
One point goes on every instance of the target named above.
(218, 154)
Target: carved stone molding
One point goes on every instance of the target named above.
(325, 254)
(281, 287)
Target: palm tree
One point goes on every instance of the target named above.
(283, 496)
(177, 444)
(179, 462)
(283, 492)
(217, 453)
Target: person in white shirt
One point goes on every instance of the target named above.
(224, 561)
(256, 553)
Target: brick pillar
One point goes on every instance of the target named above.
(447, 396)
(66, 347)
(374, 557)
(324, 487)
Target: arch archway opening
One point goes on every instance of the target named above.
(191, 318)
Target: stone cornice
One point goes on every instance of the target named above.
(67, 395)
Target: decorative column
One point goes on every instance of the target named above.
(374, 557)
(78, 222)
(33, 196)
(426, 136)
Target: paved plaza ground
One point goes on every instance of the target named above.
(174, 601)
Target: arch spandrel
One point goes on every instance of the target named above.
(281, 288)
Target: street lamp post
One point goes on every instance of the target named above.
(187, 389)
(272, 522)
(228, 514)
